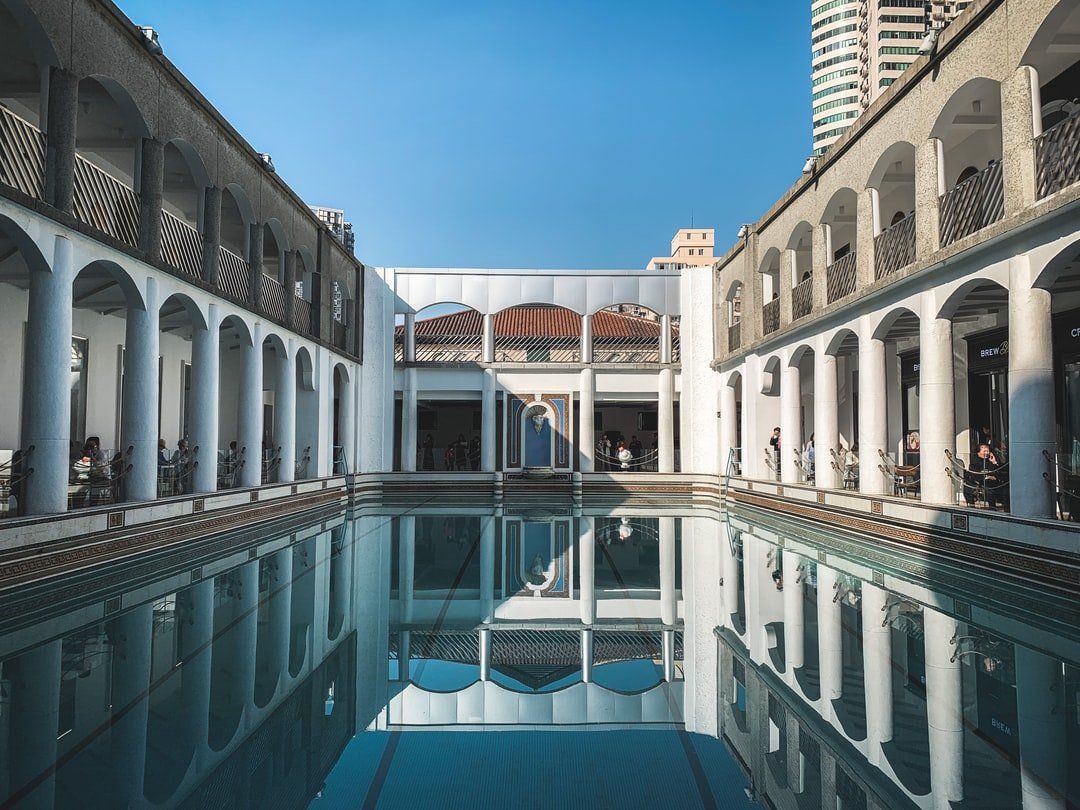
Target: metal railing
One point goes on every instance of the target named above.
(13, 473)
(301, 464)
(181, 245)
(339, 335)
(455, 348)
(174, 478)
(645, 461)
(894, 247)
(734, 336)
(676, 344)
(840, 277)
(271, 460)
(734, 463)
(770, 316)
(906, 478)
(1065, 480)
(228, 471)
(301, 315)
(972, 205)
(234, 276)
(22, 154)
(105, 203)
(340, 465)
(978, 488)
(626, 350)
(1057, 157)
(537, 349)
(100, 481)
(802, 298)
(447, 458)
(273, 297)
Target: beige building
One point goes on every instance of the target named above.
(858, 49)
(690, 247)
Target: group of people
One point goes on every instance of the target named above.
(458, 455)
(619, 455)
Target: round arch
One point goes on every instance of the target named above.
(108, 114)
(969, 128)
(185, 179)
(32, 256)
(800, 352)
(237, 215)
(238, 327)
(974, 292)
(305, 373)
(843, 341)
(537, 333)
(306, 272)
(899, 317)
(179, 307)
(893, 178)
(276, 344)
(93, 284)
(28, 53)
(801, 243)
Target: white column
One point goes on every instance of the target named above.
(204, 402)
(790, 422)
(826, 421)
(665, 338)
(406, 580)
(668, 654)
(485, 653)
(668, 585)
(587, 421)
(410, 337)
(46, 399)
(587, 568)
(729, 574)
(877, 671)
(487, 345)
(487, 422)
(666, 420)
(408, 421)
(586, 339)
(937, 419)
(794, 622)
(139, 416)
(586, 654)
(1031, 395)
(944, 707)
(728, 429)
(132, 637)
(1044, 764)
(347, 419)
(873, 422)
(285, 414)
(35, 715)
(250, 413)
(830, 640)
(487, 569)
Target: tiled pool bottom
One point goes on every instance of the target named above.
(572, 769)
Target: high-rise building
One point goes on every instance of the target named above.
(339, 226)
(690, 247)
(858, 48)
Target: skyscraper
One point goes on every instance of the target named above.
(858, 48)
(339, 226)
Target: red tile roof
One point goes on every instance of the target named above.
(538, 321)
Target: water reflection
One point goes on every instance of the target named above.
(719, 657)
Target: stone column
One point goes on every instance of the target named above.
(139, 417)
(873, 421)
(1021, 121)
(826, 421)
(196, 605)
(822, 240)
(1044, 765)
(586, 339)
(794, 622)
(46, 394)
(255, 260)
(665, 338)
(347, 417)
(587, 421)
(587, 568)
(487, 569)
(787, 281)
(211, 234)
(937, 417)
(830, 640)
(132, 638)
(484, 643)
(791, 438)
(289, 284)
(586, 654)
(409, 354)
(728, 429)
(285, 415)
(406, 580)
(666, 421)
(205, 359)
(35, 715)
(488, 426)
(668, 585)
(250, 427)
(866, 228)
(877, 671)
(60, 139)
(408, 421)
(487, 344)
(929, 186)
(944, 708)
(1031, 395)
(151, 192)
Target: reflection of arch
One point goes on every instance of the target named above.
(305, 377)
(631, 308)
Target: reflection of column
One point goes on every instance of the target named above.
(877, 670)
(487, 569)
(406, 578)
(587, 568)
(1043, 745)
(826, 420)
(586, 654)
(587, 421)
(410, 337)
(937, 419)
(830, 641)
(666, 421)
(485, 653)
(35, 716)
(668, 652)
(944, 707)
(408, 421)
(1031, 394)
(728, 427)
(132, 637)
(204, 402)
(794, 625)
(139, 414)
(873, 424)
(347, 417)
(285, 415)
(790, 421)
(279, 609)
(730, 575)
(246, 634)
(46, 401)
(196, 634)
(487, 422)
(668, 604)
(250, 415)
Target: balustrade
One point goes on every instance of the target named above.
(22, 155)
(181, 245)
(802, 298)
(840, 277)
(105, 203)
(273, 297)
(233, 274)
(1057, 157)
(894, 247)
(301, 315)
(770, 316)
(734, 336)
(972, 205)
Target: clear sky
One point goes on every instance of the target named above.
(505, 133)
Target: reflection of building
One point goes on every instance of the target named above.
(690, 247)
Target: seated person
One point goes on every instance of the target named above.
(985, 474)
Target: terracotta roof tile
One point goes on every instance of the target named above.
(538, 321)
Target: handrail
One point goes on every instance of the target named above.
(649, 458)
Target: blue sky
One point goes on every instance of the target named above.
(504, 133)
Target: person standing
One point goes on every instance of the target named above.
(774, 444)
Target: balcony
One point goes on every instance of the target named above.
(840, 277)
(272, 301)
(894, 247)
(734, 336)
(181, 245)
(22, 155)
(234, 278)
(105, 203)
(802, 298)
(1057, 157)
(301, 315)
(972, 205)
(339, 335)
(770, 317)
